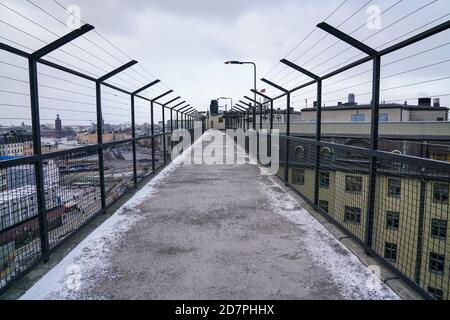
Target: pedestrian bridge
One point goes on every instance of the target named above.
(219, 231)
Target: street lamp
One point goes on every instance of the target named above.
(254, 73)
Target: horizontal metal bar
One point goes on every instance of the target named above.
(181, 103)
(260, 94)
(60, 153)
(347, 67)
(442, 165)
(65, 69)
(173, 100)
(18, 162)
(162, 95)
(151, 84)
(117, 71)
(252, 100)
(299, 69)
(347, 39)
(13, 50)
(58, 43)
(181, 109)
(419, 37)
(116, 88)
(270, 83)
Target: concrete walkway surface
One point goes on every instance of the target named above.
(210, 232)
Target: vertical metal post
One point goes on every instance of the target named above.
(177, 124)
(288, 133)
(133, 136)
(38, 168)
(420, 227)
(254, 117)
(164, 133)
(271, 115)
(318, 138)
(248, 119)
(153, 136)
(101, 166)
(373, 146)
(260, 117)
(183, 121)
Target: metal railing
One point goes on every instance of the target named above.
(395, 205)
(47, 197)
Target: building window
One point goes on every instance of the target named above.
(392, 220)
(352, 214)
(298, 176)
(390, 251)
(394, 188)
(440, 156)
(300, 153)
(326, 154)
(436, 263)
(383, 117)
(324, 179)
(438, 228)
(437, 294)
(440, 193)
(323, 204)
(353, 184)
(358, 117)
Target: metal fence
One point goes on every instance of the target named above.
(395, 205)
(46, 197)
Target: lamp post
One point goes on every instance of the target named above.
(254, 78)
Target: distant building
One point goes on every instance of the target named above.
(13, 145)
(57, 132)
(20, 176)
(389, 112)
(58, 124)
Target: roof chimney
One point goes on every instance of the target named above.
(436, 102)
(351, 98)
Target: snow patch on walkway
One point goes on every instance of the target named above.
(89, 260)
(354, 279)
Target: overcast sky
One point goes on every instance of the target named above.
(185, 43)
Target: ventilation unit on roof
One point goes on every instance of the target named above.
(424, 102)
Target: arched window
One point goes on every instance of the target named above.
(299, 153)
(326, 154)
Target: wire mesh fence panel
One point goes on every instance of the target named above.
(67, 110)
(20, 242)
(119, 174)
(411, 222)
(301, 159)
(160, 139)
(343, 187)
(72, 189)
(143, 158)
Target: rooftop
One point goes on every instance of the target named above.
(382, 106)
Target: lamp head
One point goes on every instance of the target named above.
(233, 62)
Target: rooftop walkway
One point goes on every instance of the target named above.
(210, 232)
